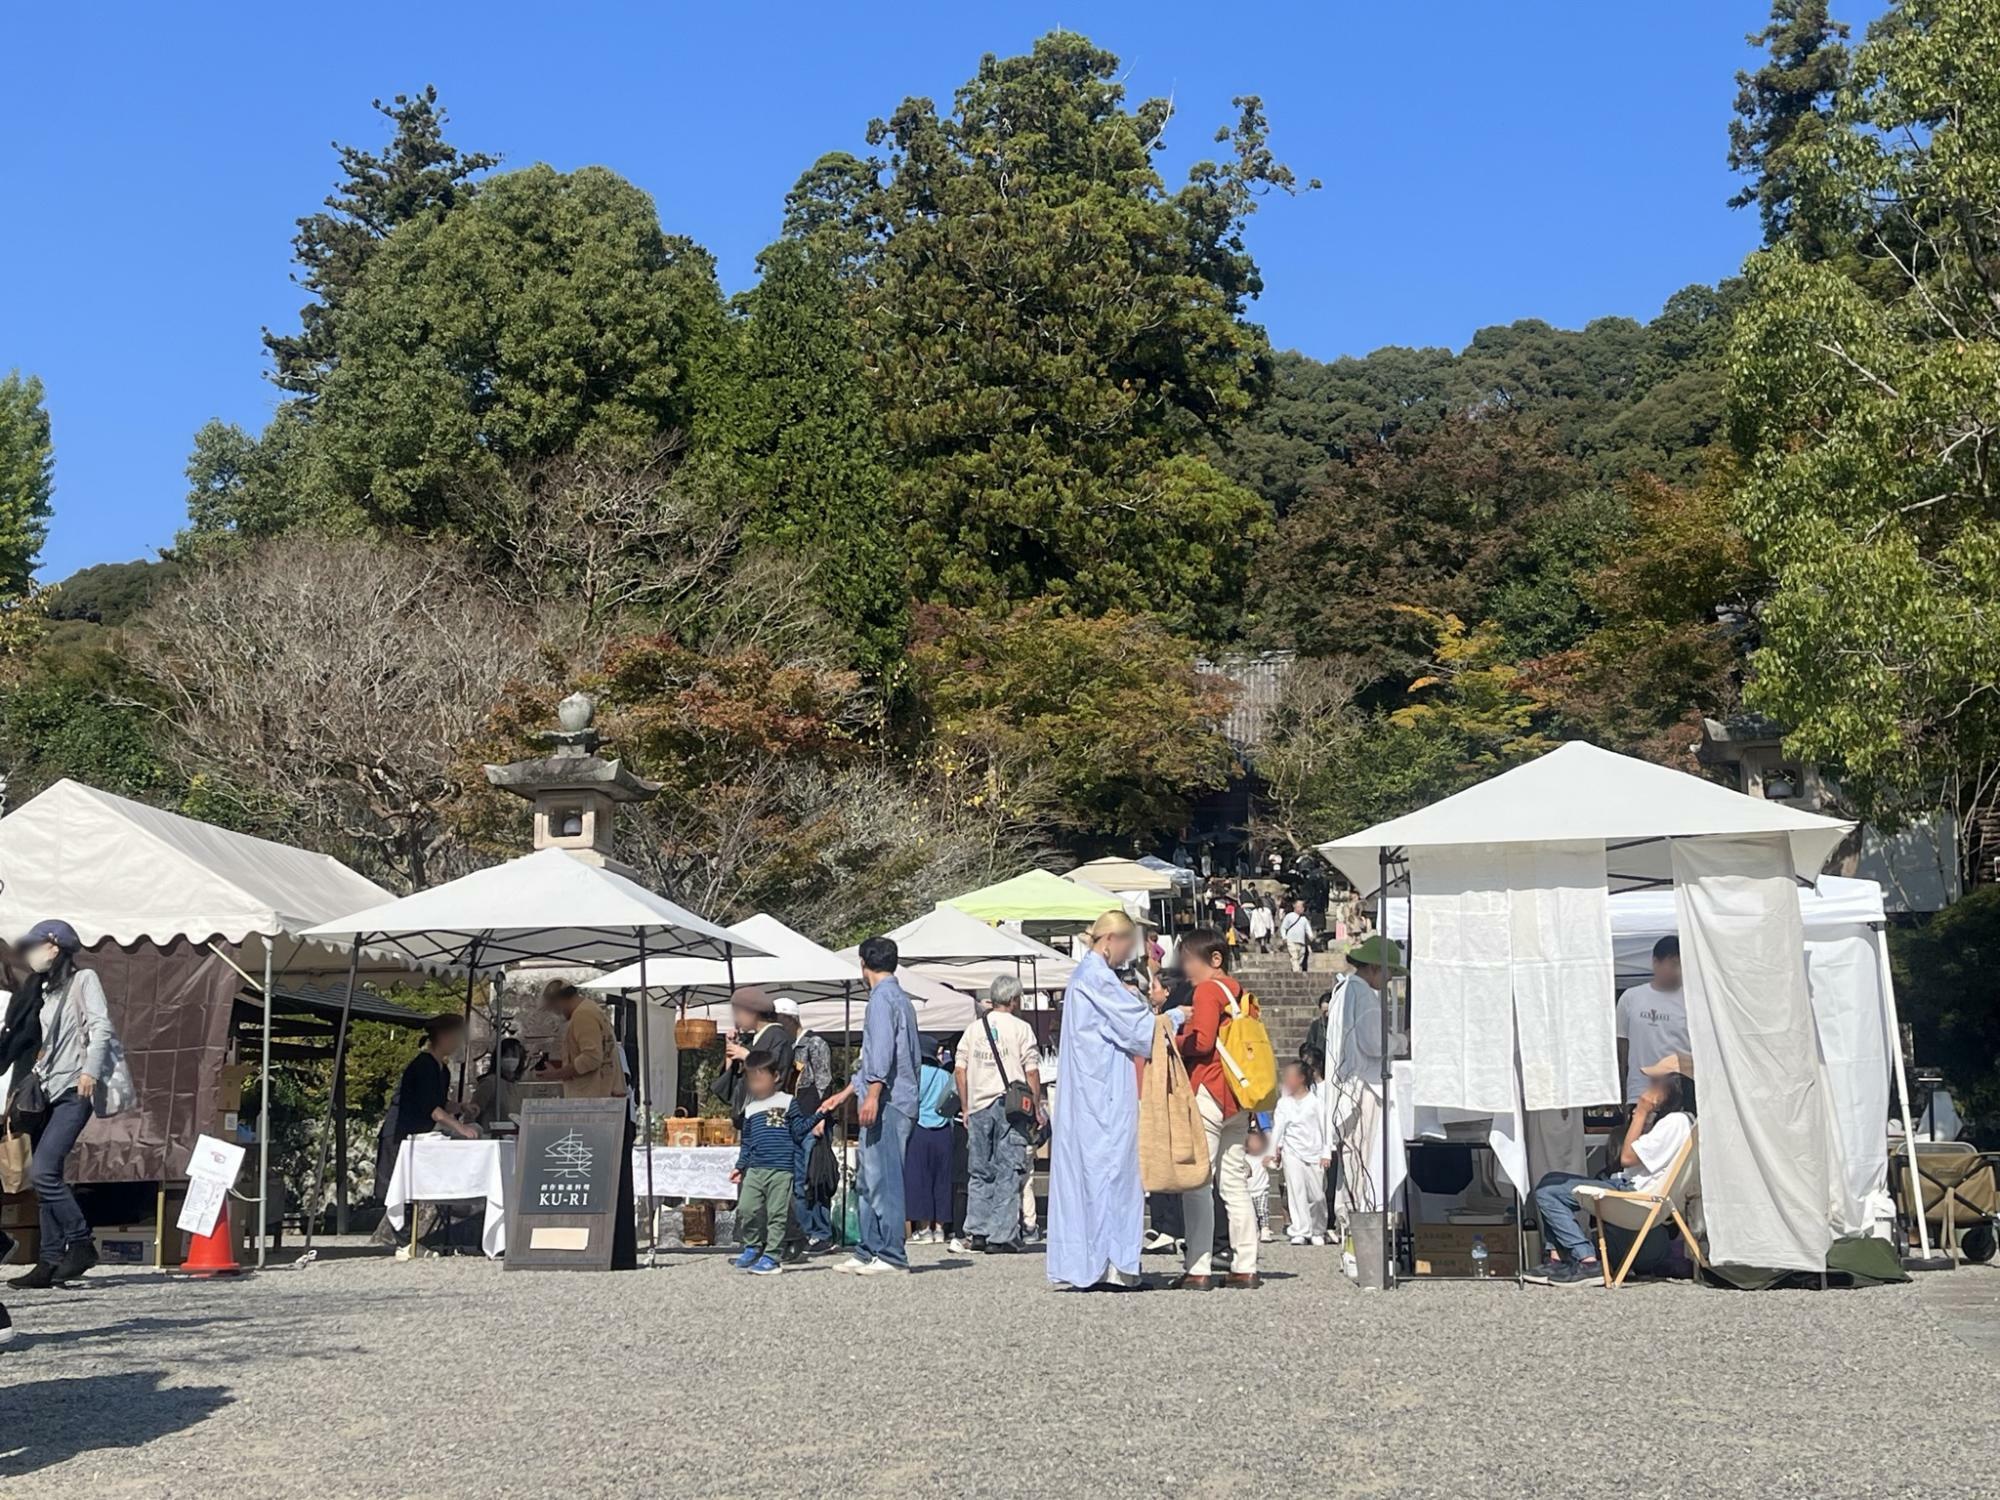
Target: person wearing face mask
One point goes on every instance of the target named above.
(79, 1072)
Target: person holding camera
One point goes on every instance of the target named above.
(756, 1029)
(1000, 1082)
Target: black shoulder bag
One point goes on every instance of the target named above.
(1016, 1097)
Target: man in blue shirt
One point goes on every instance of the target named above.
(886, 1085)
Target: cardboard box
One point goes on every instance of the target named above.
(228, 1096)
(125, 1244)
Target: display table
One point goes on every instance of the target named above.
(685, 1172)
(440, 1168)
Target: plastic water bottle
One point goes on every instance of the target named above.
(1479, 1257)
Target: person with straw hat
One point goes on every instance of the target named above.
(1354, 1063)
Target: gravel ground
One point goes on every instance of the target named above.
(365, 1377)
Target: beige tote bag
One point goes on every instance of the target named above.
(1173, 1143)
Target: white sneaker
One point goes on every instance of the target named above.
(1266, 1236)
(958, 1245)
(1298, 1239)
(1319, 1239)
(854, 1265)
(1158, 1241)
(880, 1268)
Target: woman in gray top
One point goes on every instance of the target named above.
(81, 1072)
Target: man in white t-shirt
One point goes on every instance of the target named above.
(1663, 1118)
(1652, 1018)
(995, 1052)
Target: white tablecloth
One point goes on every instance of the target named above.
(437, 1168)
(685, 1172)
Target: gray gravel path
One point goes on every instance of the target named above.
(449, 1378)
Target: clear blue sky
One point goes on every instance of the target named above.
(1482, 163)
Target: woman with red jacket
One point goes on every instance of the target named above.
(1202, 954)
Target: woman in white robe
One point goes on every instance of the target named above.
(1096, 1206)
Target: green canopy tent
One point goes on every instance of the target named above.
(1037, 896)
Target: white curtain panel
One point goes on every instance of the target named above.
(1565, 1006)
(1511, 955)
(1461, 979)
(1848, 1014)
(1765, 1151)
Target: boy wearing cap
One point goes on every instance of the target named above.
(1662, 1120)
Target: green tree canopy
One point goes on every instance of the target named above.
(1051, 332)
(27, 479)
(419, 173)
(1866, 391)
(1783, 109)
(1101, 724)
(810, 450)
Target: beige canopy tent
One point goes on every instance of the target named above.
(177, 917)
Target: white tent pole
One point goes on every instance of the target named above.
(1894, 1025)
(264, 1122)
(1386, 1116)
(646, 1107)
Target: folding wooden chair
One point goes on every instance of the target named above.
(1640, 1212)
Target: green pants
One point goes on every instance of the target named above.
(764, 1207)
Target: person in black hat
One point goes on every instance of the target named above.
(79, 1073)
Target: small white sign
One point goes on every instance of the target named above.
(212, 1170)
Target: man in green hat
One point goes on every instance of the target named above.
(1354, 1064)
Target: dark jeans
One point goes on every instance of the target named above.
(811, 1222)
(63, 1224)
(1556, 1207)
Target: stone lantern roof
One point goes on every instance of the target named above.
(574, 790)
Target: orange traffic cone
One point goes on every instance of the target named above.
(214, 1253)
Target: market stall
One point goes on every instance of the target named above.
(552, 907)
(968, 954)
(179, 918)
(1507, 889)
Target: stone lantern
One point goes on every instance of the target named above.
(575, 791)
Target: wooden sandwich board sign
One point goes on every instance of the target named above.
(562, 1207)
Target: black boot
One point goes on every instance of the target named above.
(75, 1261)
(38, 1279)
(6, 1328)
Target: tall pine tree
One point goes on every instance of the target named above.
(811, 450)
(1783, 110)
(418, 173)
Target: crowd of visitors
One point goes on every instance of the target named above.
(949, 1132)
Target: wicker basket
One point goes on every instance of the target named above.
(693, 1034)
(680, 1130)
(717, 1133)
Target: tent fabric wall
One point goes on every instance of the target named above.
(1766, 1156)
(1512, 951)
(1462, 1035)
(1848, 1017)
(1563, 1011)
(170, 1005)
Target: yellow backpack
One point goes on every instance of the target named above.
(1249, 1061)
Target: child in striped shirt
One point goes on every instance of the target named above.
(773, 1125)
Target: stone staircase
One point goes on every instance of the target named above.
(1289, 1000)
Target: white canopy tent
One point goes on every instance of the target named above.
(1854, 1011)
(825, 984)
(953, 948)
(1538, 840)
(1123, 875)
(550, 906)
(1578, 793)
(125, 874)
